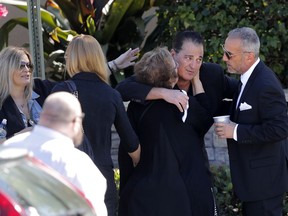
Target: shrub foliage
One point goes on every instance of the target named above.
(215, 18)
(228, 204)
(125, 26)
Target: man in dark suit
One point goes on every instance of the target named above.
(258, 131)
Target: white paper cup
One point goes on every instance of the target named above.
(222, 119)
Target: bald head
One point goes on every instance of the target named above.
(61, 106)
(61, 111)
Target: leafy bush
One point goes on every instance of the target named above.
(215, 18)
(227, 203)
(118, 29)
(124, 26)
(117, 178)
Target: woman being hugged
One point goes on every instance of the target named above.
(171, 177)
(103, 107)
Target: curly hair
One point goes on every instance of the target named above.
(157, 68)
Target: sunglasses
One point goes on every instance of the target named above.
(228, 54)
(27, 65)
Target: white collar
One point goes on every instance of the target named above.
(34, 95)
(48, 132)
(245, 76)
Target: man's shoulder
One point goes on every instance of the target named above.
(211, 70)
(17, 140)
(211, 66)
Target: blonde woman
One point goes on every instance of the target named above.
(103, 107)
(21, 96)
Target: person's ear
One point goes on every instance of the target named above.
(250, 56)
(173, 52)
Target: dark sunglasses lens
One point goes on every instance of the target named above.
(27, 65)
(227, 54)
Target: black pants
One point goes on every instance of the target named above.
(267, 207)
(111, 193)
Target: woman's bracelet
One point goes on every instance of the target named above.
(111, 68)
(117, 68)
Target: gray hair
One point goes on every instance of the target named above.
(249, 38)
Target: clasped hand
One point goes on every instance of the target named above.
(177, 98)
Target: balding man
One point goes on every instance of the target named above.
(53, 141)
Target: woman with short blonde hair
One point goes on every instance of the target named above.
(85, 54)
(103, 107)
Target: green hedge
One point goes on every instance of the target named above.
(227, 203)
(215, 18)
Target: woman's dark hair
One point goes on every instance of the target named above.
(186, 35)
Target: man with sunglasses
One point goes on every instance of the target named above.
(258, 131)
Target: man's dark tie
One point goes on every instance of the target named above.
(238, 90)
(233, 108)
(239, 87)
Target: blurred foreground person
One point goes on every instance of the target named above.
(53, 141)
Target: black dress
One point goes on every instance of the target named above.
(103, 107)
(171, 178)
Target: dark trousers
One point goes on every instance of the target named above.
(267, 207)
(111, 193)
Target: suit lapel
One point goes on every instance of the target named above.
(256, 72)
(235, 112)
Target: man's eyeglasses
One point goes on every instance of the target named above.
(27, 65)
(79, 116)
(229, 55)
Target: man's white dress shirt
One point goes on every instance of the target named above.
(244, 79)
(58, 151)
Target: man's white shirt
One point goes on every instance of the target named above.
(58, 151)
(244, 79)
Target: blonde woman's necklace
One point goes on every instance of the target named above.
(21, 106)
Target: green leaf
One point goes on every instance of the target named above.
(91, 25)
(62, 36)
(46, 16)
(135, 7)
(117, 12)
(8, 27)
(71, 11)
